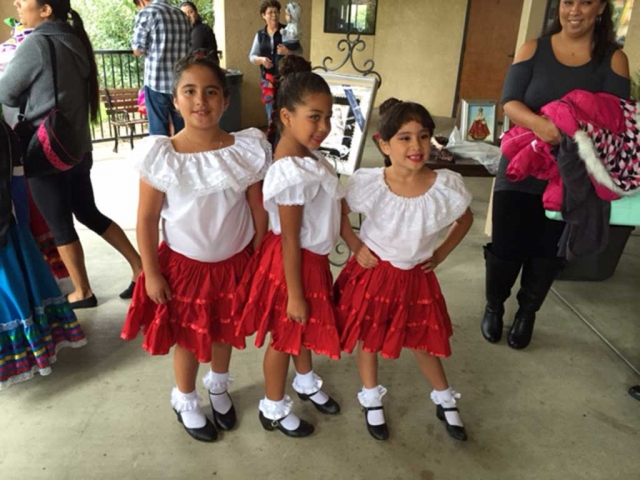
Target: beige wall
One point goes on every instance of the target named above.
(6, 10)
(632, 42)
(531, 21)
(416, 49)
(237, 22)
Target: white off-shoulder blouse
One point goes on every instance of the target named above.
(313, 183)
(205, 215)
(401, 230)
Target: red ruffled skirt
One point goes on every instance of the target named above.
(261, 302)
(388, 308)
(199, 312)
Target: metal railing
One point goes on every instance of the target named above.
(116, 69)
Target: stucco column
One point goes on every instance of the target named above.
(236, 23)
(531, 21)
(6, 10)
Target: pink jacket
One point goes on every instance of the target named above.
(603, 125)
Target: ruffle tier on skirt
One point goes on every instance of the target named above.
(199, 312)
(36, 320)
(261, 303)
(388, 308)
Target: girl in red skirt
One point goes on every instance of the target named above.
(388, 297)
(205, 185)
(287, 289)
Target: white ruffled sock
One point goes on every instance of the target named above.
(273, 409)
(217, 384)
(310, 384)
(372, 397)
(188, 405)
(447, 398)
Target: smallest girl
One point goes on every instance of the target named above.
(388, 297)
(287, 289)
(205, 186)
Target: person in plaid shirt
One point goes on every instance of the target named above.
(162, 34)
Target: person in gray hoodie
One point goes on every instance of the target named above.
(59, 197)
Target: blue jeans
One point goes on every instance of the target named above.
(159, 109)
(268, 107)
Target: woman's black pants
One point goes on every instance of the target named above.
(62, 196)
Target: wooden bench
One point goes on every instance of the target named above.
(122, 109)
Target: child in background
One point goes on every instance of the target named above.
(205, 185)
(291, 33)
(388, 297)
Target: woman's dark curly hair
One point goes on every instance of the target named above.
(269, 4)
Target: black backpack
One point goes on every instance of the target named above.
(10, 155)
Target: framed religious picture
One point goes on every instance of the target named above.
(478, 120)
(353, 98)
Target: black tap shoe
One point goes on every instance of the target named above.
(459, 433)
(304, 429)
(224, 421)
(208, 433)
(379, 432)
(330, 407)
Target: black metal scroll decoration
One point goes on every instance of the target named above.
(351, 44)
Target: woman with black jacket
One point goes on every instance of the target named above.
(202, 36)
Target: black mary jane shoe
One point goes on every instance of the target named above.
(128, 292)
(304, 429)
(89, 302)
(330, 407)
(208, 433)
(635, 392)
(379, 432)
(454, 431)
(224, 421)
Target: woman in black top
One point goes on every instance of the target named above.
(202, 36)
(578, 52)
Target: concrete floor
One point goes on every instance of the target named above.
(558, 410)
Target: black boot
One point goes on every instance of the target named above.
(537, 277)
(500, 277)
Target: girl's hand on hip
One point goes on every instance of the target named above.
(365, 258)
(297, 309)
(548, 132)
(430, 264)
(157, 289)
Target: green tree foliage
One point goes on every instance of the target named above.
(109, 23)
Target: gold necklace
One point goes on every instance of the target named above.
(197, 150)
